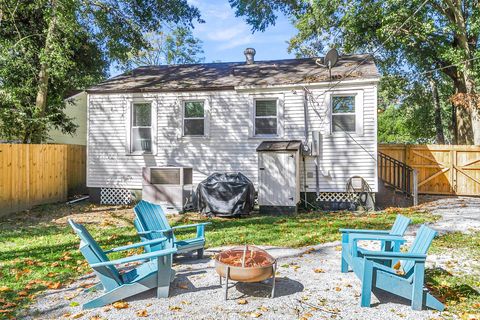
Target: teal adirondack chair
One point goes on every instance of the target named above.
(391, 239)
(151, 223)
(155, 273)
(407, 282)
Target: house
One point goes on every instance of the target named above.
(212, 117)
(76, 108)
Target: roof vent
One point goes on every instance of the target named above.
(249, 55)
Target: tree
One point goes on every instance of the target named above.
(176, 46)
(418, 35)
(49, 47)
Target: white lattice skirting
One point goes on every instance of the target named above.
(115, 196)
(337, 197)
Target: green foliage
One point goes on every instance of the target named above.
(406, 111)
(75, 40)
(406, 40)
(177, 46)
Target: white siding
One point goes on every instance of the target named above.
(77, 109)
(228, 145)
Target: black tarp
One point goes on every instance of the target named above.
(225, 194)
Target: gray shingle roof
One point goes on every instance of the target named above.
(228, 75)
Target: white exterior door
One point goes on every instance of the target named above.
(277, 179)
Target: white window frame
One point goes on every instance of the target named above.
(279, 116)
(129, 125)
(358, 94)
(204, 118)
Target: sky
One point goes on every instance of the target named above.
(225, 36)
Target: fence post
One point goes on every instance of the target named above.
(415, 187)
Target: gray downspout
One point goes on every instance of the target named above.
(305, 115)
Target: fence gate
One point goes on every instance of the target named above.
(442, 169)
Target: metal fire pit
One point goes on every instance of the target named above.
(245, 264)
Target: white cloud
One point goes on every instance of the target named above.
(225, 34)
(239, 41)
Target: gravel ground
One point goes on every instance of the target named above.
(458, 214)
(301, 293)
(309, 285)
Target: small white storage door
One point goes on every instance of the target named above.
(277, 179)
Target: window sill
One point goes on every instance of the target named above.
(195, 137)
(265, 138)
(140, 154)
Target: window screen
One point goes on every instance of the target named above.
(194, 118)
(266, 121)
(141, 127)
(343, 113)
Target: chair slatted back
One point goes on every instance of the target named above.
(400, 225)
(150, 216)
(420, 245)
(109, 275)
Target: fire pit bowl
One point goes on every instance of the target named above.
(245, 264)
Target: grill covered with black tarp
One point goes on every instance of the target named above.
(225, 194)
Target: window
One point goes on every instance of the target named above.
(193, 118)
(266, 117)
(141, 128)
(343, 114)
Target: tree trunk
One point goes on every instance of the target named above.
(42, 91)
(454, 125)
(463, 116)
(440, 139)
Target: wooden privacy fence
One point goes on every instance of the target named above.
(442, 169)
(33, 174)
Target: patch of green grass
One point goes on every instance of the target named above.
(38, 250)
(458, 287)
(292, 230)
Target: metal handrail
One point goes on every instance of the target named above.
(396, 174)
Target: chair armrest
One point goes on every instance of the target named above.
(191, 225)
(144, 256)
(379, 255)
(136, 245)
(356, 237)
(364, 231)
(154, 231)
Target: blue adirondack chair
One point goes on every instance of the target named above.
(407, 281)
(155, 273)
(151, 223)
(391, 240)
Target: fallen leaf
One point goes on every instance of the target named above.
(338, 289)
(262, 308)
(120, 305)
(74, 304)
(55, 264)
(96, 318)
(182, 285)
(142, 313)
(318, 270)
(67, 315)
(23, 293)
(255, 314)
(397, 265)
(174, 308)
(338, 248)
(77, 315)
(4, 289)
(307, 315)
(242, 301)
(52, 274)
(54, 285)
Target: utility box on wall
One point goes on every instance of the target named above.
(279, 176)
(170, 187)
